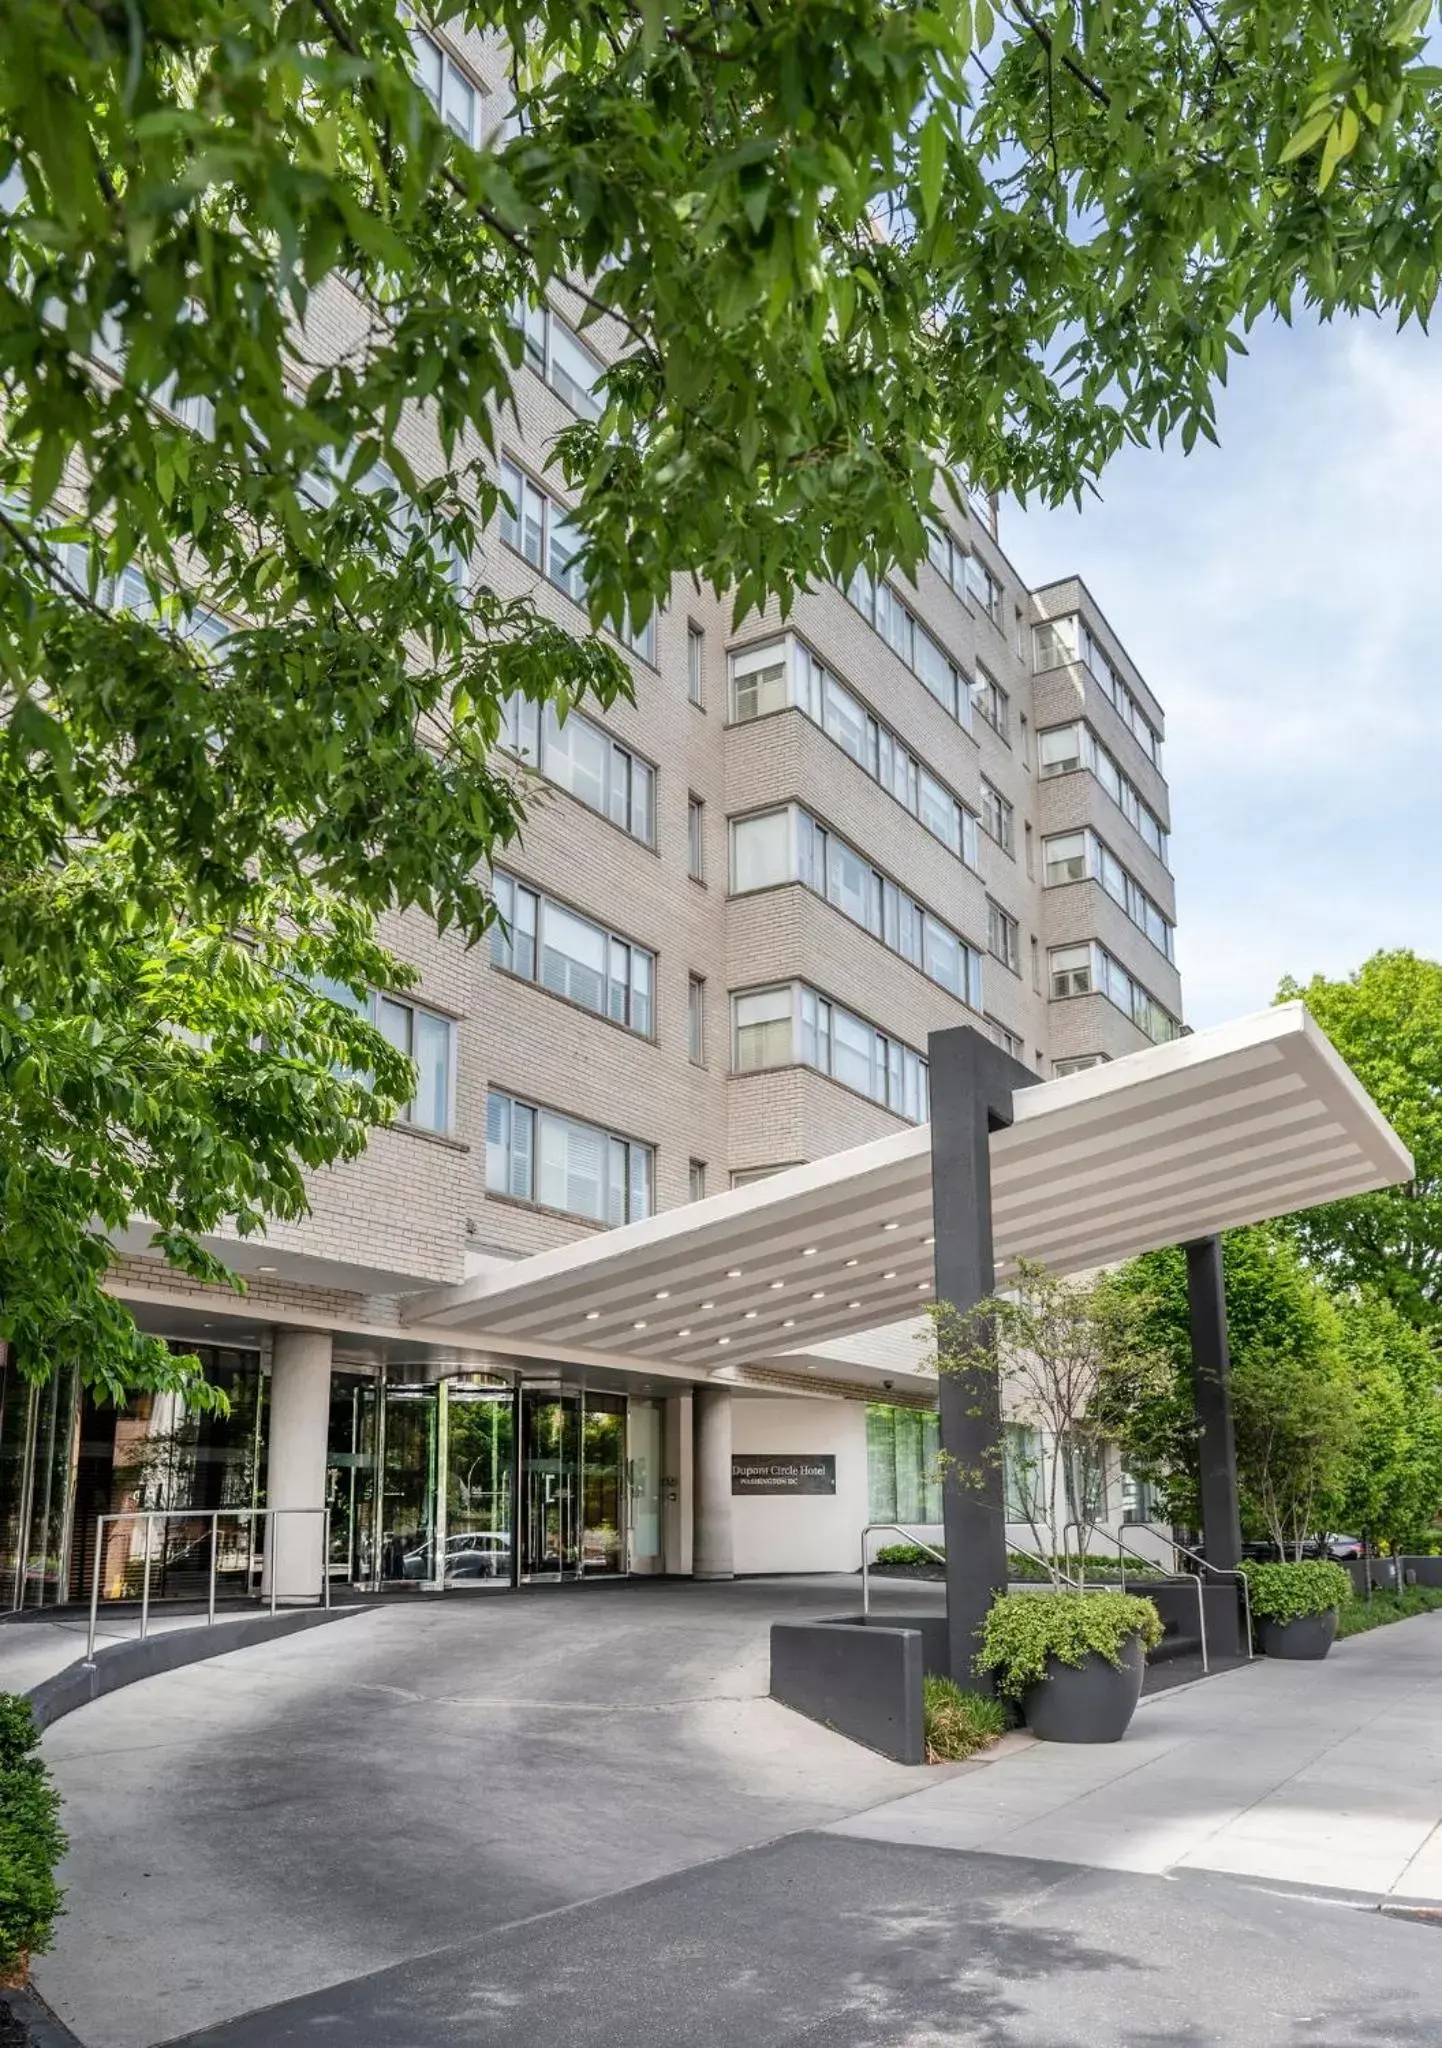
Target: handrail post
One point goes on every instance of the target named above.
(325, 1557)
(214, 1547)
(1202, 1624)
(145, 1578)
(271, 1548)
(95, 1588)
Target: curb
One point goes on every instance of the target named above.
(124, 1664)
(35, 2016)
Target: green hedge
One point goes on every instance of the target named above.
(1286, 1592)
(1022, 1565)
(1024, 1630)
(959, 1723)
(31, 1841)
(1361, 1614)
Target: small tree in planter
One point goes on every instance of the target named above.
(1295, 1421)
(1073, 1660)
(1295, 1606)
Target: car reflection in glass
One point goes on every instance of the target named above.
(474, 1554)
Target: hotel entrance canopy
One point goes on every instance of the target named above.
(1220, 1128)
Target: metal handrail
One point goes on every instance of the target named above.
(890, 1529)
(1222, 1571)
(212, 1515)
(1125, 1550)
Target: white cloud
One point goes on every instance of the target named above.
(1282, 596)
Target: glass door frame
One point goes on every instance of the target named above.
(561, 1390)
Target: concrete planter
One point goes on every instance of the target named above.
(1091, 1702)
(1305, 1636)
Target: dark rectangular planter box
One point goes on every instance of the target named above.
(861, 1678)
(1176, 1602)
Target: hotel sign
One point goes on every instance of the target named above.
(782, 1472)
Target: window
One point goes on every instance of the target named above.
(1078, 1063)
(992, 702)
(1054, 643)
(523, 519)
(785, 673)
(1071, 639)
(587, 762)
(572, 957)
(695, 839)
(1007, 1040)
(903, 1465)
(998, 819)
(880, 606)
(1003, 939)
(543, 531)
(696, 1019)
(779, 1027)
(1022, 1487)
(743, 1176)
(428, 1040)
(789, 846)
(1075, 856)
(562, 359)
(447, 87)
(696, 1170)
(1090, 969)
(983, 588)
(695, 665)
(539, 1156)
(1030, 853)
(1085, 1479)
(1065, 748)
(1139, 1500)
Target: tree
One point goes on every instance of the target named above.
(1276, 1309)
(1071, 1352)
(1392, 1490)
(1386, 1021)
(843, 253)
(1296, 1421)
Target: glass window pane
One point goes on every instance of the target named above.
(939, 813)
(643, 802)
(844, 720)
(431, 1108)
(564, 565)
(573, 957)
(572, 1168)
(642, 1164)
(641, 978)
(761, 851)
(393, 1021)
(575, 372)
(935, 670)
(848, 881)
(575, 755)
(853, 1049)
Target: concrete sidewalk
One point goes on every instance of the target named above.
(1306, 1775)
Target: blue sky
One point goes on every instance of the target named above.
(1282, 594)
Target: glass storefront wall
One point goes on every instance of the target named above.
(903, 1464)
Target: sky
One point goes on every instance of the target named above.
(1282, 595)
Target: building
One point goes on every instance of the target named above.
(742, 906)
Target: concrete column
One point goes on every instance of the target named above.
(711, 1479)
(295, 1462)
(971, 1085)
(677, 1512)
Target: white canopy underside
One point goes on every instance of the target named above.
(1221, 1128)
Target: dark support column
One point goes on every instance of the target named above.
(971, 1082)
(1211, 1393)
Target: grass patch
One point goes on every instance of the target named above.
(1360, 1614)
(959, 1723)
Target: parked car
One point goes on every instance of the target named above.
(469, 1554)
(1341, 1549)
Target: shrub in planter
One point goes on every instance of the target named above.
(959, 1723)
(1295, 1606)
(31, 1842)
(1073, 1660)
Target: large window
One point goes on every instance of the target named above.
(1089, 969)
(1081, 856)
(447, 87)
(1067, 639)
(1003, 939)
(562, 359)
(905, 635)
(789, 846)
(984, 588)
(1063, 749)
(903, 1465)
(428, 1040)
(597, 770)
(967, 574)
(998, 818)
(780, 1027)
(785, 674)
(1021, 1467)
(573, 957)
(540, 529)
(991, 700)
(538, 1156)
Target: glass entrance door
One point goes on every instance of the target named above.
(408, 1484)
(550, 1477)
(480, 1467)
(603, 1484)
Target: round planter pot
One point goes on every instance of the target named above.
(1091, 1702)
(1308, 1635)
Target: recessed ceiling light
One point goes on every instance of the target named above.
(853, 1304)
(265, 1269)
(789, 1324)
(777, 1283)
(808, 1251)
(928, 1240)
(663, 1294)
(638, 1326)
(733, 1272)
(750, 1316)
(923, 1287)
(819, 1295)
(853, 1262)
(891, 1275)
(708, 1304)
(592, 1314)
(723, 1340)
(891, 1226)
(683, 1333)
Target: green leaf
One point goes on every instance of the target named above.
(933, 163)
